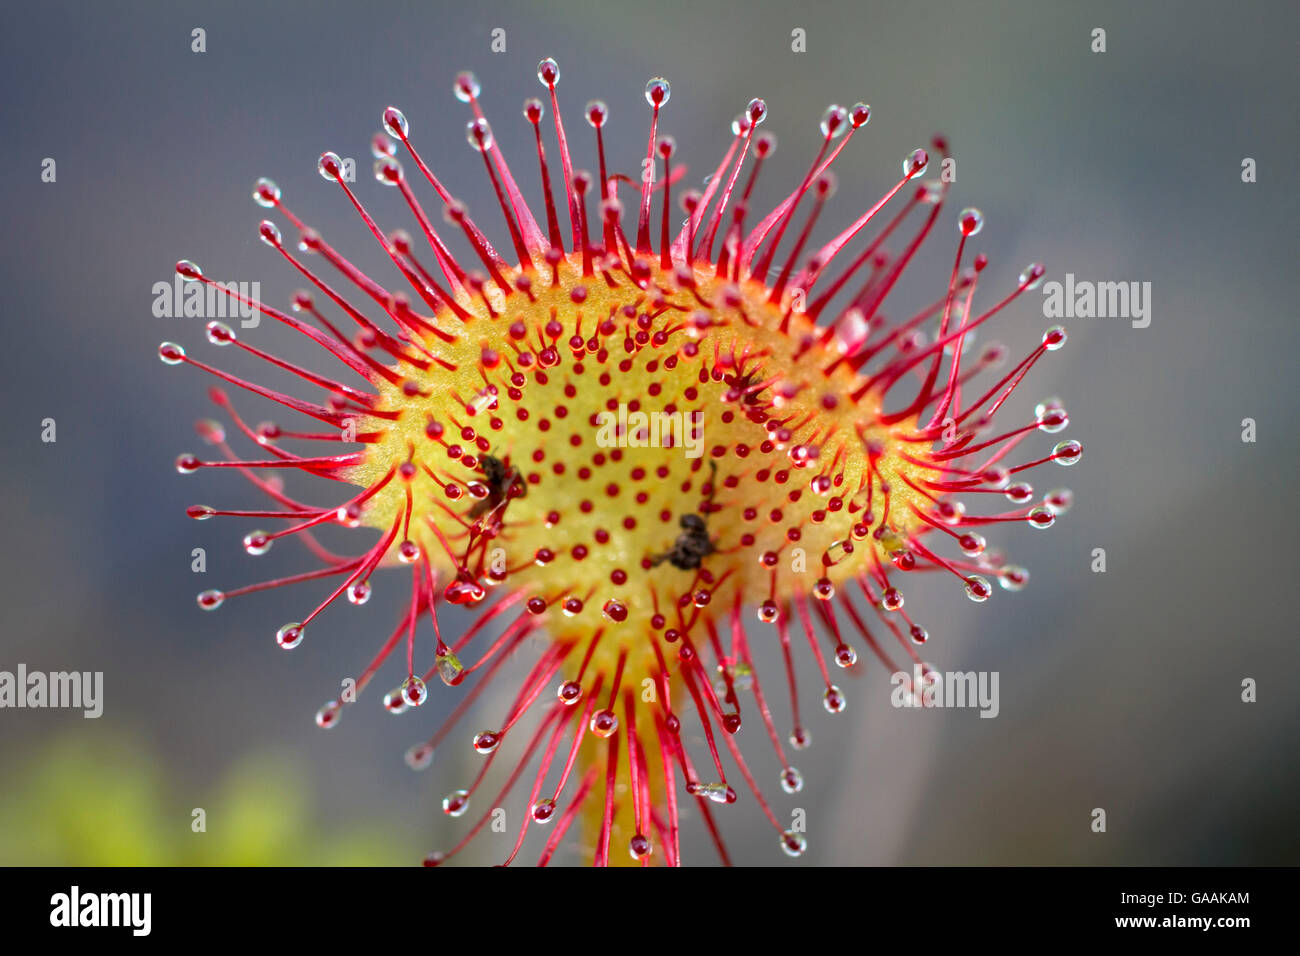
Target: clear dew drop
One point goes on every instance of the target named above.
(269, 233)
(171, 354)
(717, 792)
(257, 542)
(1051, 416)
(388, 171)
(486, 741)
(210, 600)
(449, 668)
(970, 222)
(1067, 453)
(414, 691)
(1032, 275)
(657, 91)
(1013, 578)
(395, 122)
(328, 715)
(792, 844)
(455, 803)
(639, 846)
(1041, 518)
(266, 193)
(834, 122)
(791, 780)
(604, 723)
(801, 739)
(833, 700)
(892, 599)
(329, 166)
(997, 478)
(548, 72)
(419, 756)
(915, 163)
(1054, 338)
(218, 333)
(359, 592)
(742, 675)
(466, 87)
(978, 588)
(1019, 493)
(1059, 500)
(290, 636)
(597, 112)
(479, 134)
(543, 811)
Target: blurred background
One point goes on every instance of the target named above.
(1119, 690)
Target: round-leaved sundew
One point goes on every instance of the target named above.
(650, 441)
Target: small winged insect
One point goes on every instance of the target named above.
(693, 545)
(503, 482)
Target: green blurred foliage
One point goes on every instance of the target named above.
(84, 803)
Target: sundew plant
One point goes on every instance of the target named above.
(653, 426)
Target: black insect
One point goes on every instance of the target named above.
(693, 545)
(503, 483)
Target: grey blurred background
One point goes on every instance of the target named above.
(1119, 690)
